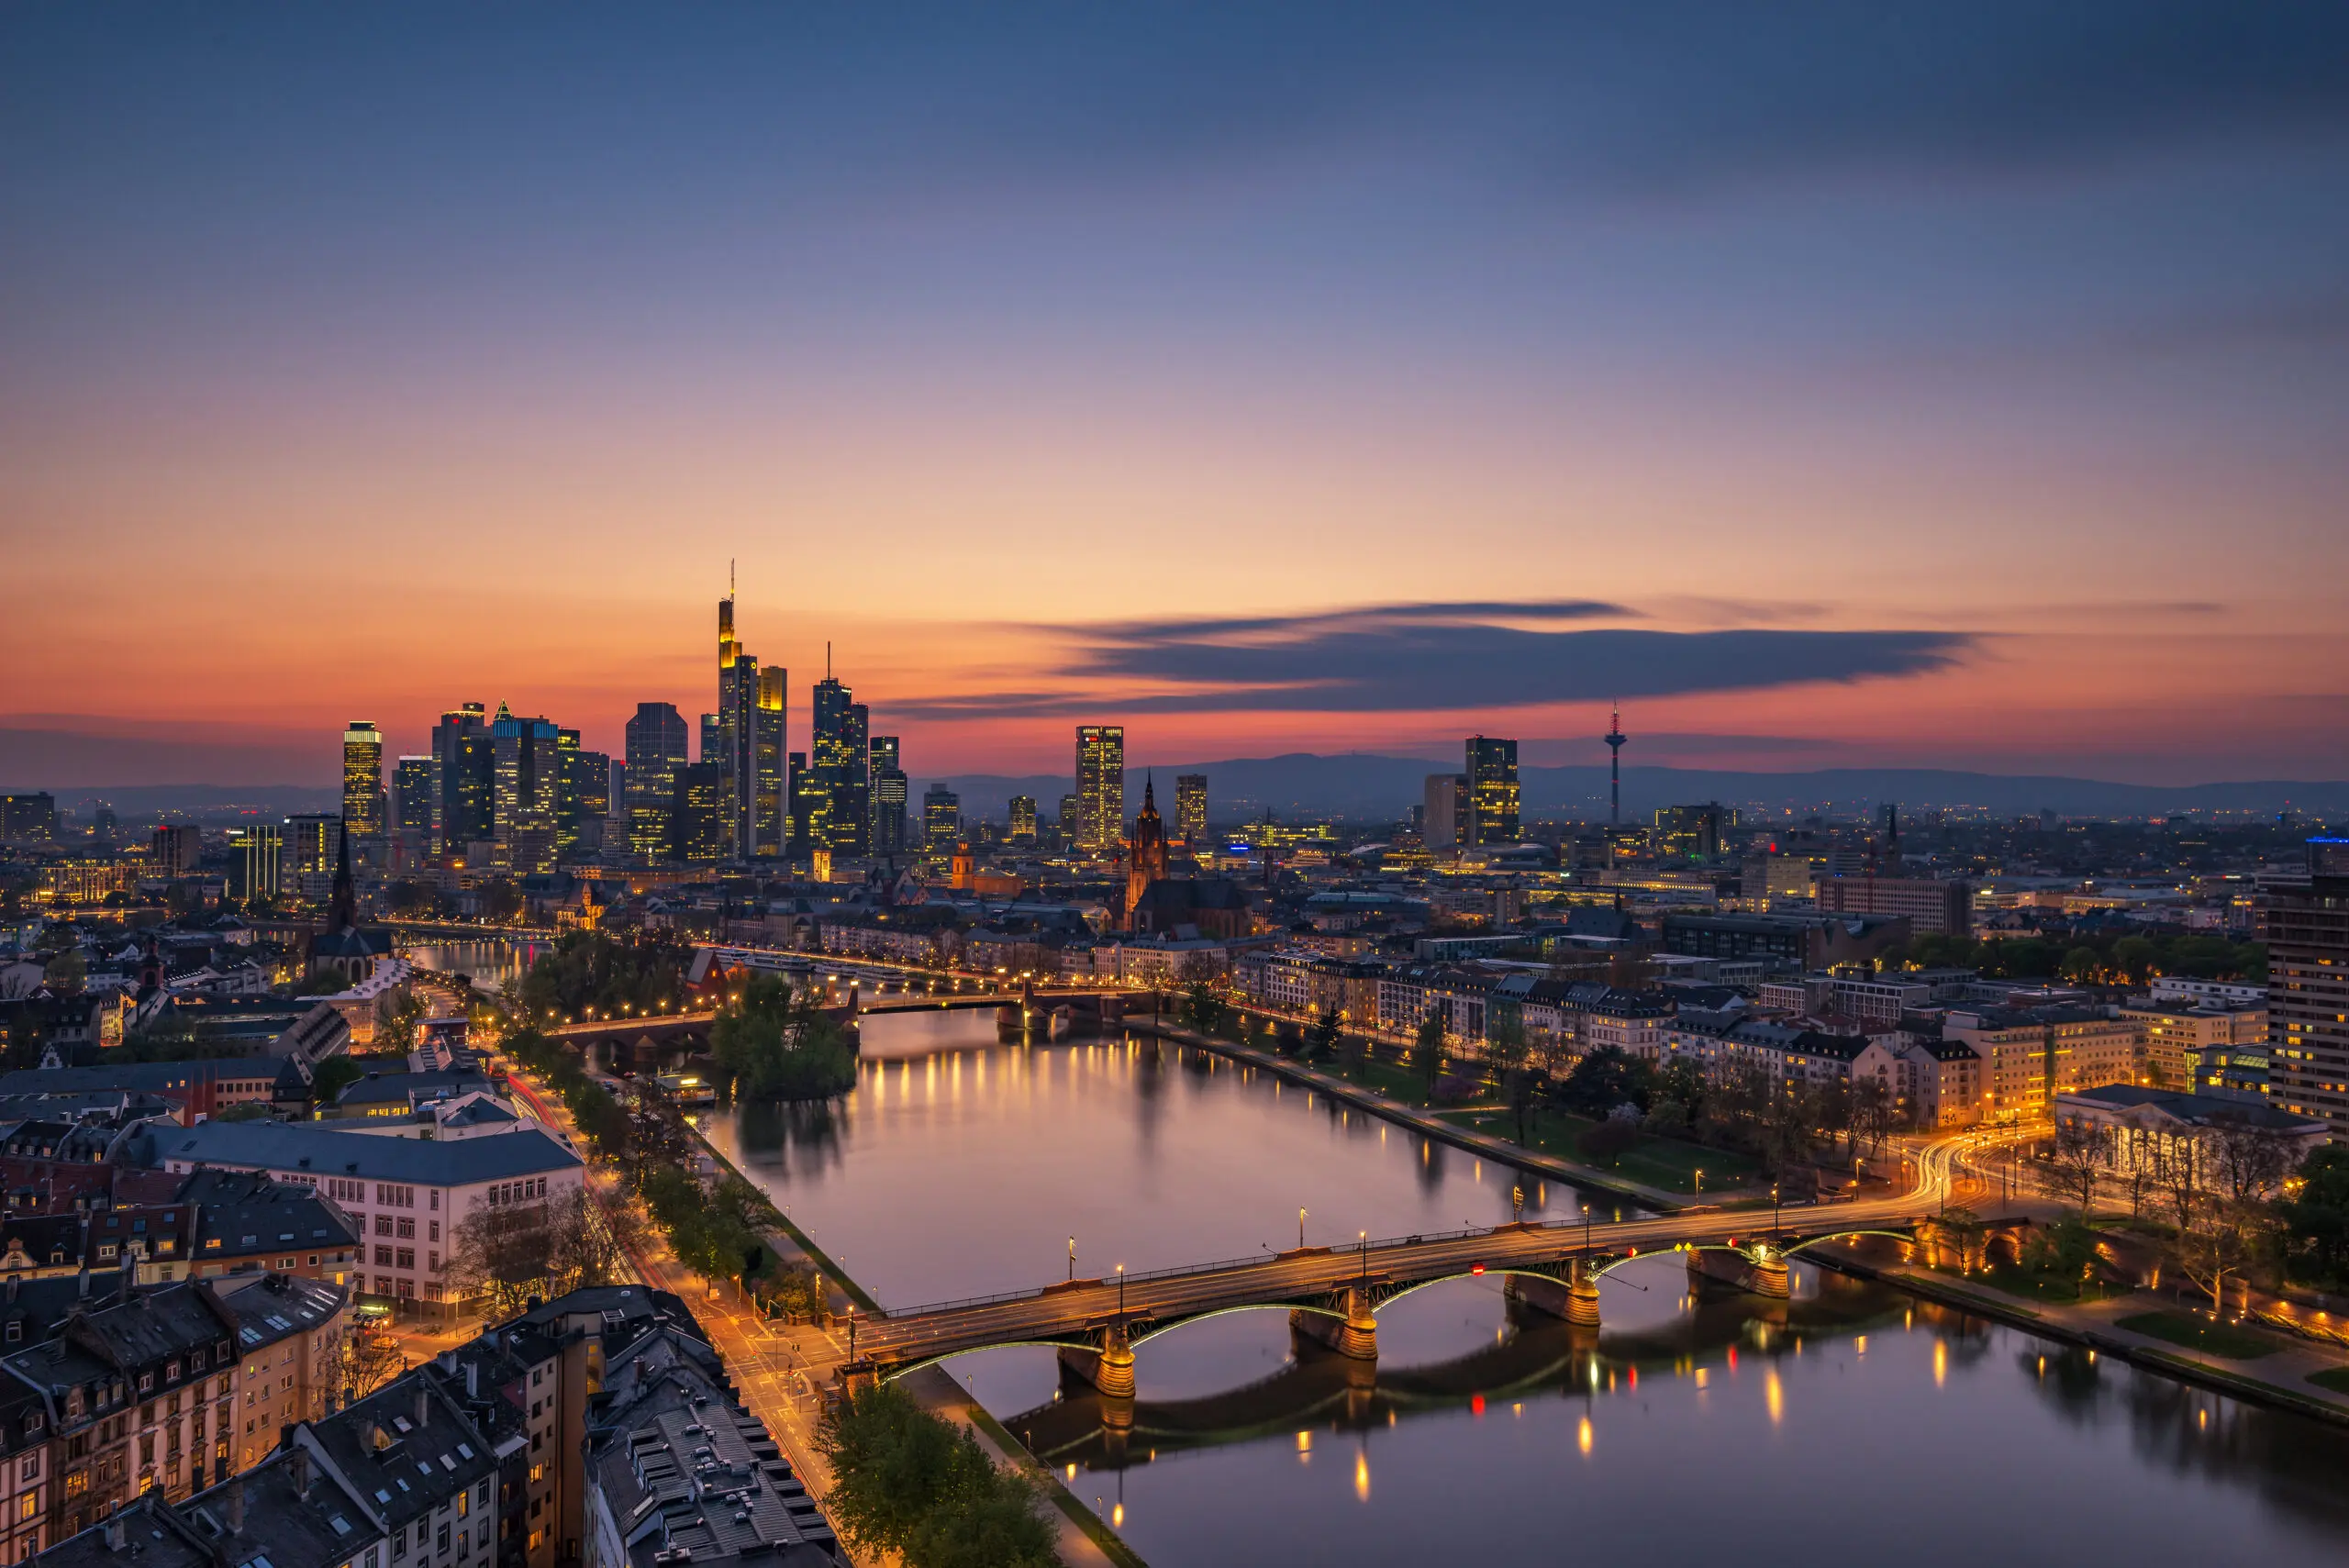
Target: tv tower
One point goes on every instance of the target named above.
(1615, 739)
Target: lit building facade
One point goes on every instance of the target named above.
(529, 773)
(1692, 832)
(1023, 819)
(1191, 809)
(1145, 852)
(464, 778)
(941, 822)
(1100, 788)
(412, 798)
(656, 750)
(1492, 792)
(885, 816)
(362, 779)
(2306, 927)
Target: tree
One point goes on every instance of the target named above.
(329, 1078)
(1202, 1011)
(2135, 956)
(1873, 1112)
(2220, 1242)
(2083, 966)
(777, 1042)
(501, 900)
(1603, 1079)
(912, 1483)
(2077, 1160)
(371, 1358)
(1427, 1048)
(1321, 1036)
(503, 1256)
(1611, 1139)
(64, 973)
(2316, 1217)
(1512, 1060)
(2248, 1160)
(395, 1021)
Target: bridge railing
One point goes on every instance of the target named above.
(1223, 1265)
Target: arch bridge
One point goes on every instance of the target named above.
(1334, 1295)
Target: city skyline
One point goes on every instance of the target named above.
(1827, 406)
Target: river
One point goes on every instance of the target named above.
(1849, 1422)
(494, 962)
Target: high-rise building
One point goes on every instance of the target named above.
(656, 750)
(1694, 832)
(1191, 809)
(1072, 810)
(412, 798)
(1100, 787)
(2306, 927)
(1023, 819)
(770, 781)
(1443, 813)
(583, 797)
(31, 816)
(941, 823)
(529, 772)
(1941, 908)
(1492, 792)
(885, 812)
(464, 774)
(176, 848)
(837, 755)
(697, 813)
(362, 779)
(803, 793)
(312, 845)
(257, 867)
(710, 744)
(1145, 852)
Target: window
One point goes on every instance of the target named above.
(408, 1228)
(28, 1505)
(436, 1231)
(407, 1257)
(383, 1257)
(434, 1262)
(383, 1225)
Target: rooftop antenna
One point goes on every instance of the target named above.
(828, 658)
(730, 576)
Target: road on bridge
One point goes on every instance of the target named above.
(920, 1334)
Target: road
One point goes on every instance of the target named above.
(950, 1329)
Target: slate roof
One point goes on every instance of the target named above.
(321, 1150)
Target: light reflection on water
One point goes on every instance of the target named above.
(1690, 1429)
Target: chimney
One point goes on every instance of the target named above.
(299, 1464)
(113, 1532)
(236, 1506)
(473, 1369)
(83, 1292)
(423, 1402)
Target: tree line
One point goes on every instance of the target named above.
(915, 1484)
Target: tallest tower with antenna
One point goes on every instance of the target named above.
(1615, 739)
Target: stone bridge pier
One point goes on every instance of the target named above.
(1760, 1272)
(1355, 1334)
(1574, 1299)
(1110, 1369)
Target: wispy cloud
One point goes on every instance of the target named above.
(1435, 657)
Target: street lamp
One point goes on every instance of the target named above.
(1366, 1257)
(1300, 1230)
(1121, 1292)
(1071, 1260)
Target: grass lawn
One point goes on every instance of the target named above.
(2335, 1379)
(2037, 1283)
(2202, 1334)
(1657, 1162)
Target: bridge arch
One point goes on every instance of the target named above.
(896, 1369)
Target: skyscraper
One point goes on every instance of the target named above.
(1072, 813)
(362, 779)
(1100, 788)
(464, 780)
(770, 781)
(583, 797)
(1023, 819)
(412, 798)
(886, 813)
(700, 792)
(709, 744)
(1492, 792)
(1443, 816)
(529, 772)
(837, 755)
(941, 821)
(656, 750)
(1191, 809)
(2306, 927)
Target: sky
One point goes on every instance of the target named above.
(1844, 384)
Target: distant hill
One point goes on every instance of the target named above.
(1367, 786)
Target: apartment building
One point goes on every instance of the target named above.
(2032, 1054)
(406, 1197)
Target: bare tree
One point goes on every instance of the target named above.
(585, 1244)
(2179, 1170)
(1872, 1113)
(2076, 1162)
(2245, 1159)
(503, 1256)
(370, 1357)
(2217, 1247)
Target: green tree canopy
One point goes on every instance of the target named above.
(777, 1042)
(1603, 1079)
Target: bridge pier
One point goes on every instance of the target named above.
(1574, 1299)
(1110, 1369)
(1354, 1335)
(1713, 1268)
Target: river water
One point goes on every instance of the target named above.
(1849, 1424)
(494, 962)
